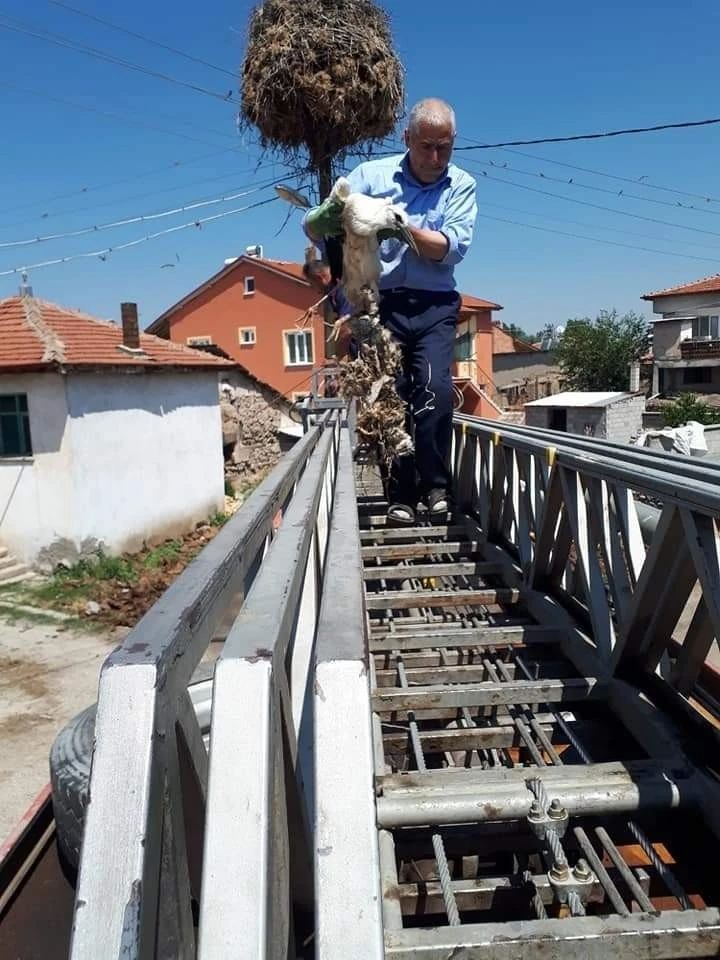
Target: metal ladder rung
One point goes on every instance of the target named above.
(467, 568)
(411, 551)
(393, 534)
(406, 600)
(402, 639)
(488, 694)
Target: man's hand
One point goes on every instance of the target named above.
(431, 244)
(325, 220)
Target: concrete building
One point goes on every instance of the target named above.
(524, 376)
(108, 437)
(609, 416)
(686, 338)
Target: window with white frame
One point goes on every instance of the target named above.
(247, 336)
(249, 286)
(706, 328)
(298, 347)
(199, 341)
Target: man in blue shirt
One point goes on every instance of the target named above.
(419, 302)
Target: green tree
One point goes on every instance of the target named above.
(687, 407)
(518, 333)
(596, 354)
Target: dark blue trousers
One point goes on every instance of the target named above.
(423, 323)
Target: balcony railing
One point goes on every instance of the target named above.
(700, 349)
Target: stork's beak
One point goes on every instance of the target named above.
(408, 237)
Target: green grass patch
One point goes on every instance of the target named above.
(166, 553)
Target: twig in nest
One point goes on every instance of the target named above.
(371, 381)
(320, 78)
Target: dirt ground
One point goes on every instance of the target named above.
(123, 603)
(48, 673)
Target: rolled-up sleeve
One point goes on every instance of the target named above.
(459, 220)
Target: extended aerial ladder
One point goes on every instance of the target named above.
(495, 736)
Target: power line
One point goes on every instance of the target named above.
(114, 116)
(638, 181)
(140, 218)
(629, 131)
(81, 191)
(613, 243)
(598, 206)
(146, 194)
(19, 26)
(587, 186)
(140, 36)
(591, 226)
(106, 251)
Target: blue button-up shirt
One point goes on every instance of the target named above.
(448, 205)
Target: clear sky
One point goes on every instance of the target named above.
(88, 142)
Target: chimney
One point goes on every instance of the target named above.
(25, 288)
(130, 328)
(634, 377)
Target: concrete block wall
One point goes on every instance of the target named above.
(620, 422)
(624, 419)
(587, 420)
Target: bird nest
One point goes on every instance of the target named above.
(321, 76)
(370, 380)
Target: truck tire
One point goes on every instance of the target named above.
(71, 757)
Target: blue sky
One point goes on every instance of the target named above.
(87, 142)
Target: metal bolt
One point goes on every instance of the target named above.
(556, 811)
(535, 810)
(582, 870)
(559, 873)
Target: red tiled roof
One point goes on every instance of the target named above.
(475, 303)
(284, 266)
(706, 285)
(35, 334)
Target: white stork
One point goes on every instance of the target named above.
(363, 217)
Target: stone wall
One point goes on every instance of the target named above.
(253, 415)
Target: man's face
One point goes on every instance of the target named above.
(430, 147)
(320, 280)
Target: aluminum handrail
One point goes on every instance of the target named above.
(141, 865)
(564, 508)
(596, 446)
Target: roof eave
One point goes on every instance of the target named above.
(215, 278)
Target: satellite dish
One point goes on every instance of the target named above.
(290, 195)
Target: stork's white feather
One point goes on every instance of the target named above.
(363, 217)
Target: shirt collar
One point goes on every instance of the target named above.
(404, 168)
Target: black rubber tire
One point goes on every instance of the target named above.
(70, 758)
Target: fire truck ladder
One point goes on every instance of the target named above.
(491, 736)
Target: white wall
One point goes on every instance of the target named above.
(667, 337)
(687, 304)
(118, 459)
(147, 454)
(36, 501)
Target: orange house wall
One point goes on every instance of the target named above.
(480, 368)
(277, 305)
